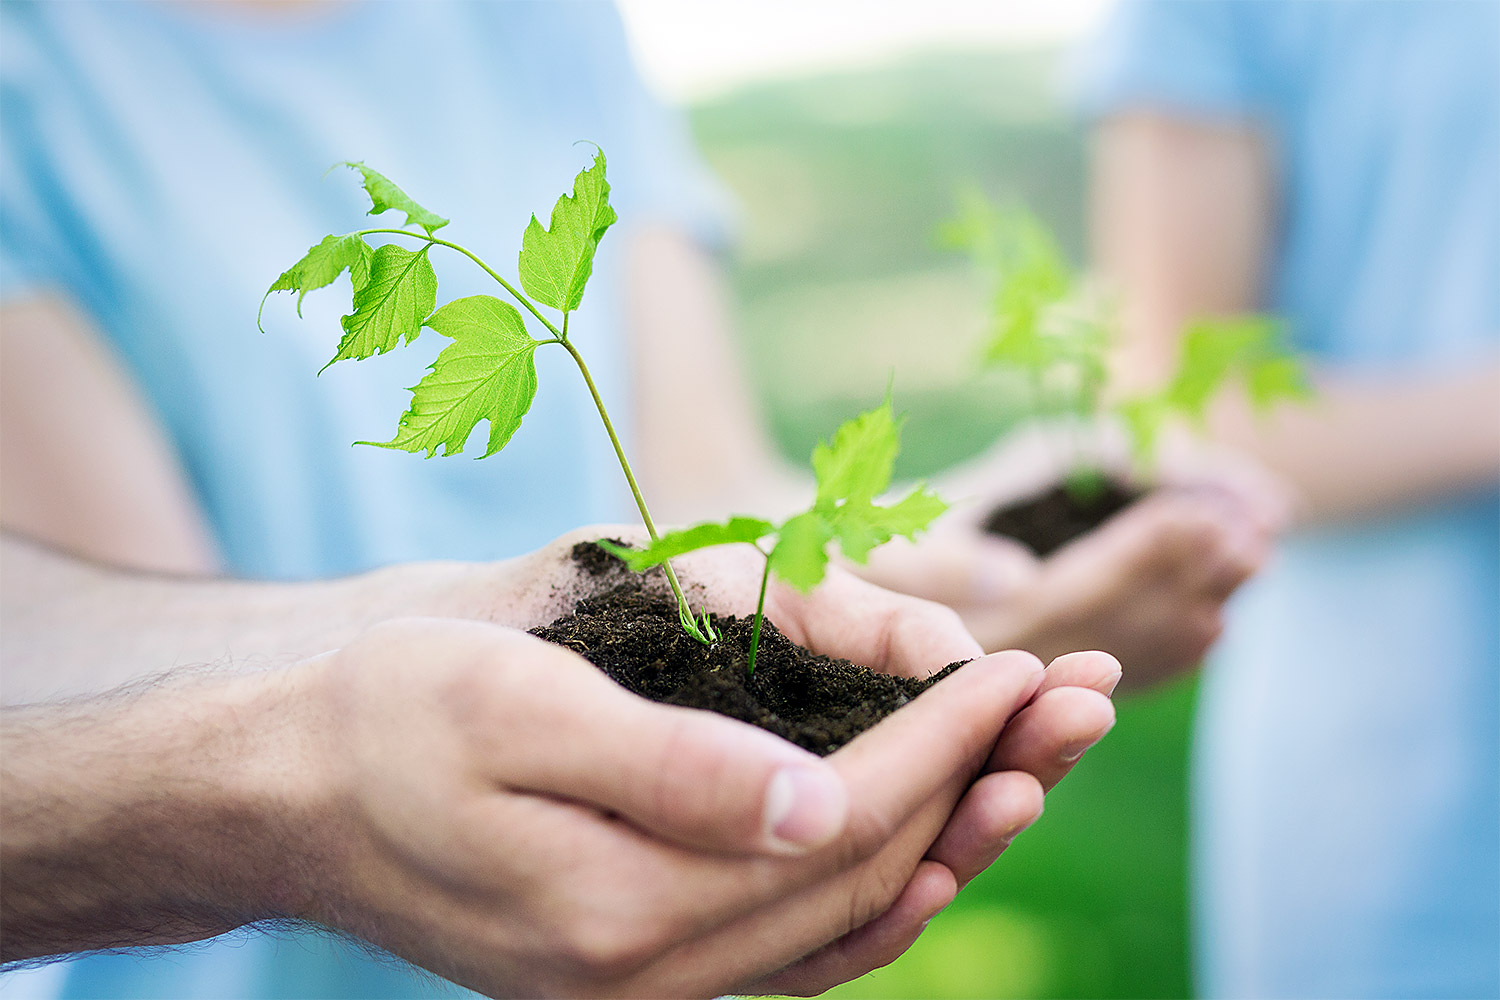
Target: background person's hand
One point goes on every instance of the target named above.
(1149, 585)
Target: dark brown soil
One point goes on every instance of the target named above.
(1048, 521)
(631, 632)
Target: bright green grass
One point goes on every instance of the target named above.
(842, 181)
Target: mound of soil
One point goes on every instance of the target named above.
(631, 632)
(1047, 522)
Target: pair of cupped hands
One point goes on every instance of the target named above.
(541, 831)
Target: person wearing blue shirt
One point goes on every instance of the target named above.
(161, 163)
(1337, 164)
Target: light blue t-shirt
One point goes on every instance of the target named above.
(161, 164)
(1347, 785)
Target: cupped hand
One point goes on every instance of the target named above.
(1149, 585)
(867, 904)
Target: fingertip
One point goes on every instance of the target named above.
(932, 888)
(1094, 669)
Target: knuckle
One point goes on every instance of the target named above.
(868, 833)
(602, 946)
(873, 895)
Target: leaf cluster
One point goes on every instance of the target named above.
(1249, 349)
(488, 372)
(852, 469)
(1043, 320)
(1045, 324)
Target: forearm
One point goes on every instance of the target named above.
(1369, 444)
(71, 627)
(149, 817)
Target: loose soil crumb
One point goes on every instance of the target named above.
(633, 635)
(1047, 522)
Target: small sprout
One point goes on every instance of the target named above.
(851, 470)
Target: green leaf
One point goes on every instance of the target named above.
(398, 296)
(1248, 347)
(800, 556)
(321, 265)
(857, 462)
(1275, 379)
(684, 540)
(556, 262)
(386, 196)
(861, 526)
(487, 373)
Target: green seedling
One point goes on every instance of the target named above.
(1048, 327)
(488, 372)
(851, 469)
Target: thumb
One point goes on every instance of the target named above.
(692, 777)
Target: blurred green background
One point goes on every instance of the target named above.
(842, 180)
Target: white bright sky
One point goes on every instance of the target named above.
(690, 50)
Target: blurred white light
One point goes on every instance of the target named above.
(690, 50)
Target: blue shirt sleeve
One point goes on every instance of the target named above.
(1193, 58)
(654, 165)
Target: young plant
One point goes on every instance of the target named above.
(488, 372)
(1047, 326)
(851, 469)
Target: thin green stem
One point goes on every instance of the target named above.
(703, 631)
(530, 307)
(760, 616)
(685, 612)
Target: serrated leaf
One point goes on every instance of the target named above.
(385, 196)
(321, 266)
(487, 373)
(685, 540)
(800, 556)
(861, 526)
(398, 296)
(556, 262)
(857, 461)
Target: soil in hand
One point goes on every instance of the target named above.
(631, 632)
(1047, 522)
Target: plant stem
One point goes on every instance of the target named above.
(760, 616)
(685, 612)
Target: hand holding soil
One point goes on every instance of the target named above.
(536, 828)
(493, 808)
(1149, 584)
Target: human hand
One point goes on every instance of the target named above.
(845, 617)
(1149, 585)
(481, 820)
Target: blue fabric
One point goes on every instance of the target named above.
(162, 163)
(1347, 785)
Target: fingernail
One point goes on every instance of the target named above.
(806, 807)
(1072, 753)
